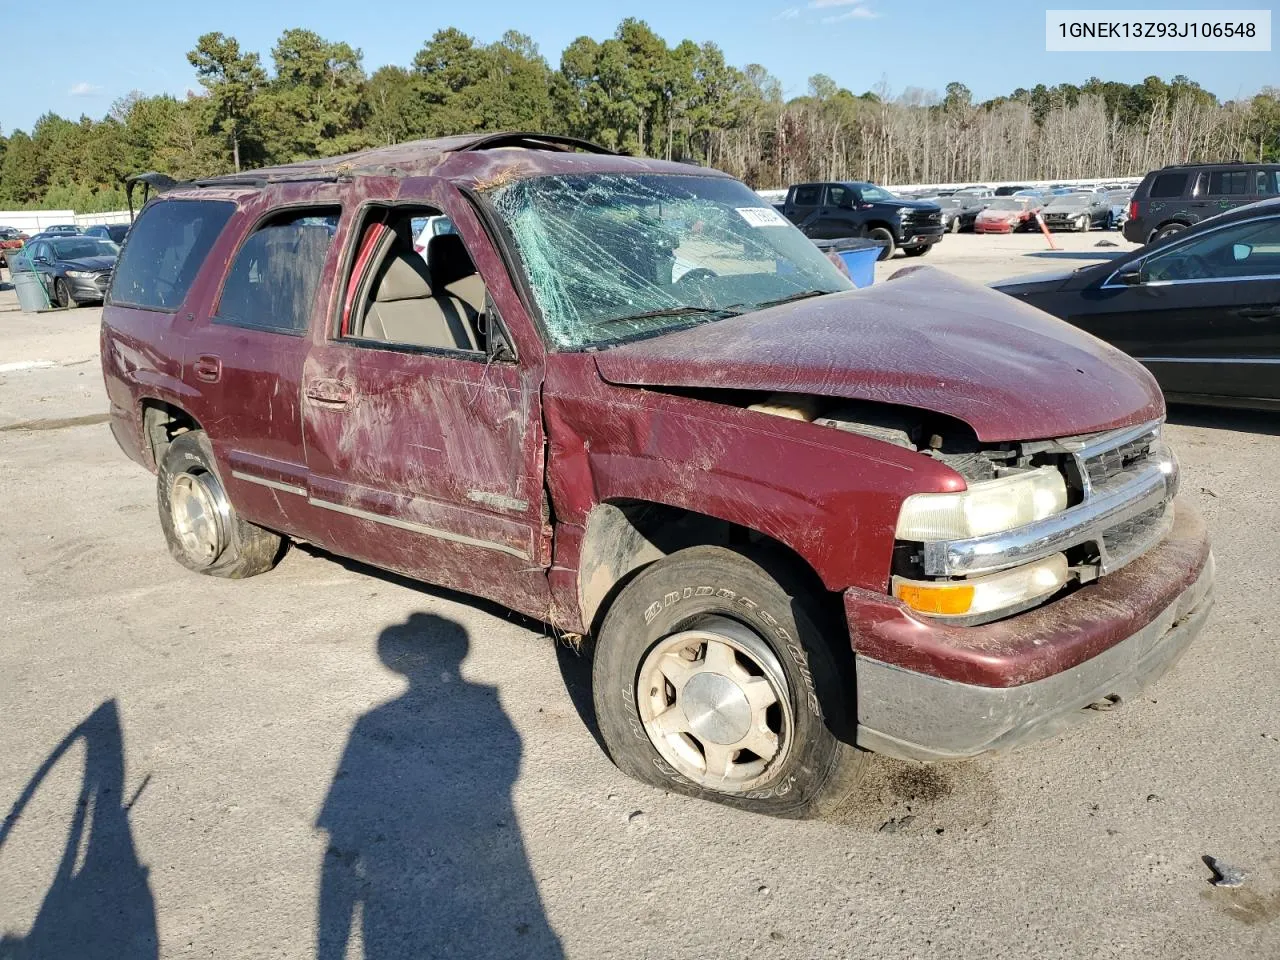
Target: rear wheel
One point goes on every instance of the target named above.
(885, 237)
(203, 529)
(1168, 231)
(712, 679)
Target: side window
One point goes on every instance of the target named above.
(807, 196)
(837, 196)
(273, 279)
(1249, 249)
(1228, 183)
(1168, 185)
(423, 294)
(1268, 182)
(167, 246)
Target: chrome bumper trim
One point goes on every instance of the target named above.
(1121, 498)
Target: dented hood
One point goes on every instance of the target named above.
(924, 339)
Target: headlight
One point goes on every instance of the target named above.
(81, 274)
(991, 506)
(984, 595)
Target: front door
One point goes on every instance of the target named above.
(424, 449)
(1205, 318)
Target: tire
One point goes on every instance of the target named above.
(1083, 223)
(917, 251)
(706, 600)
(884, 235)
(955, 225)
(1168, 231)
(203, 529)
(61, 295)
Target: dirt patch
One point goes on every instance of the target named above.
(59, 423)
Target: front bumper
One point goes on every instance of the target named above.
(87, 288)
(933, 691)
(915, 235)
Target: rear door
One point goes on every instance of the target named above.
(1206, 317)
(426, 453)
(249, 339)
(803, 205)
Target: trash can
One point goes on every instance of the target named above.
(857, 255)
(32, 296)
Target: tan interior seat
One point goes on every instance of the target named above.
(452, 269)
(405, 309)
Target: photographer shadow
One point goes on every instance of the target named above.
(100, 903)
(425, 856)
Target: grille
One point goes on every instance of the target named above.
(1115, 461)
(922, 218)
(1125, 541)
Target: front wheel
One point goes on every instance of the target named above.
(1082, 223)
(61, 295)
(885, 237)
(712, 679)
(204, 531)
(917, 251)
(954, 226)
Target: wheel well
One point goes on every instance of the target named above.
(161, 422)
(872, 224)
(625, 536)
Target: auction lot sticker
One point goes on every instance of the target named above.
(1157, 30)
(762, 216)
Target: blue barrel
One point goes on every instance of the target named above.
(858, 254)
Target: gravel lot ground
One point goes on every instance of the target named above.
(200, 761)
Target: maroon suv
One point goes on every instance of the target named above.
(628, 398)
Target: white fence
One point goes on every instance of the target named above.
(780, 194)
(33, 221)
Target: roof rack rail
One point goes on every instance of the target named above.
(249, 180)
(535, 141)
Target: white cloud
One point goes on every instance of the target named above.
(857, 13)
(83, 89)
(788, 14)
(822, 4)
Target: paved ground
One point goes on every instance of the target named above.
(177, 754)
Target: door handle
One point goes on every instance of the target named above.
(1259, 313)
(208, 368)
(330, 393)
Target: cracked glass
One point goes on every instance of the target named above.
(610, 257)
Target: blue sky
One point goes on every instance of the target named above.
(95, 53)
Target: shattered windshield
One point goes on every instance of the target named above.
(613, 256)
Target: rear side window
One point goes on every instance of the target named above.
(806, 196)
(1227, 183)
(167, 246)
(1169, 185)
(273, 279)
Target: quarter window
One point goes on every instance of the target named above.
(273, 279)
(1169, 185)
(167, 246)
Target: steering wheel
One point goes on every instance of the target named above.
(1189, 266)
(697, 276)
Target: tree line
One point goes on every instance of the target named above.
(632, 92)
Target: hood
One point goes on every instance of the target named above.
(1041, 282)
(89, 264)
(926, 205)
(924, 339)
(1059, 205)
(989, 214)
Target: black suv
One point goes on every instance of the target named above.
(830, 211)
(1175, 197)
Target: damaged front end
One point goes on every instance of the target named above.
(1037, 518)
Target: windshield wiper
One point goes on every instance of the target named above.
(790, 298)
(682, 311)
